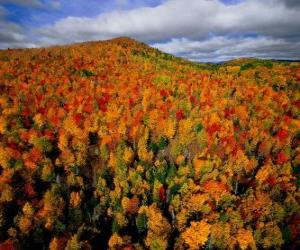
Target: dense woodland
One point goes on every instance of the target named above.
(116, 145)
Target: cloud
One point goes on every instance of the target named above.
(11, 34)
(176, 18)
(292, 3)
(55, 4)
(224, 48)
(121, 2)
(2, 12)
(30, 3)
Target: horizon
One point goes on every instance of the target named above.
(202, 31)
(187, 59)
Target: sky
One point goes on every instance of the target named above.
(199, 30)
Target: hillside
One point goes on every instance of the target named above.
(116, 145)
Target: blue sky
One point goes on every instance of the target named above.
(201, 30)
(49, 11)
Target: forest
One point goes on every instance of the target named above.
(117, 145)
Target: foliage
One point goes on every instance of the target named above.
(117, 145)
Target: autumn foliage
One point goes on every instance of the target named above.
(116, 145)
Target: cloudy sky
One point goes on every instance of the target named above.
(200, 30)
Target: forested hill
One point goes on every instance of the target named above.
(116, 145)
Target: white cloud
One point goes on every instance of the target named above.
(11, 34)
(181, 18)
(221, 48)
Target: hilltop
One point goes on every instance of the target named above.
(117, 145)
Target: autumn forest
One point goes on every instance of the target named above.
(117, 145)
